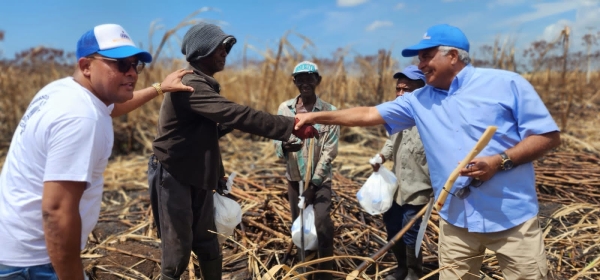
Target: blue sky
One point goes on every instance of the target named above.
(360, 26)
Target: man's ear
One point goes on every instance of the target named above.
(84, 64)
(453, 56)
(319, 78)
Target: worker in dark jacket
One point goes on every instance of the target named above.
(186, 166)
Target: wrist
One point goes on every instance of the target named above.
(158, 89)
(506, 162)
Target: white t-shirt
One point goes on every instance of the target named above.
(66, 134)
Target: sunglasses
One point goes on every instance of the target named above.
(228, 43)
(123, 65)
(463, 192)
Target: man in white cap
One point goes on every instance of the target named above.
(51, 182)
(406, 150)
(306, 78)
(494, 204)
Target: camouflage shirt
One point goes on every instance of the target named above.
(325, 149)
(410, 166)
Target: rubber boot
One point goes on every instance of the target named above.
(327, 265)
(414, 263)
(211, 269)
(399, 250)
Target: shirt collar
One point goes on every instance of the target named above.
(461, 79)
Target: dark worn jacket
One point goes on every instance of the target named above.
(187, 141)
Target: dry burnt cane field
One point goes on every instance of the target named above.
(124, 244)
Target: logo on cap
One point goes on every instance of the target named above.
(124, 35)
(426, 37)
(305, 67)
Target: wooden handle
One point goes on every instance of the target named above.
(483, 141)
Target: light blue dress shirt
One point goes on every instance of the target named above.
(450, 123)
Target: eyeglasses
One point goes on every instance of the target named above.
(228, 43)
(123, 65)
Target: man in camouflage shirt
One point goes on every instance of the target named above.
(306, 78)
(414, 186)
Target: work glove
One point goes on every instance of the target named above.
(305, 131)
(376, 162)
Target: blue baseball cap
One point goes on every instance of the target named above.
(109, 40)
(305, 67)
(412, 72)
(439, 35)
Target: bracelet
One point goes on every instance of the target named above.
(158, 89)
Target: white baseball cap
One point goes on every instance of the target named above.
(109, 40)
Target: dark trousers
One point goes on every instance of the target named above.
(183, 215)
(397, 217)
(322, 207)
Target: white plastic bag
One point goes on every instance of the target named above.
(310, 232)
(377, 194)
(228, 213)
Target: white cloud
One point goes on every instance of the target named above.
(379, 24)
(350, 3)
(587, 18)
(552, 31)
(399, 6)
(542, 10)
(505, 3)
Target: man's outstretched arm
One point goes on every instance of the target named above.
(357, 116)
(172, 83)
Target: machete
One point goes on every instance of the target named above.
(483, 141)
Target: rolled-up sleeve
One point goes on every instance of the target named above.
(388, 147)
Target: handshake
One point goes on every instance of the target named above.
(305, 131)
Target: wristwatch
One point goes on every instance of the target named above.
(158, 89)
(507, 163)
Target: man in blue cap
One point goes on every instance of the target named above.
(496, 204)
(414, 186)
(51, 182)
